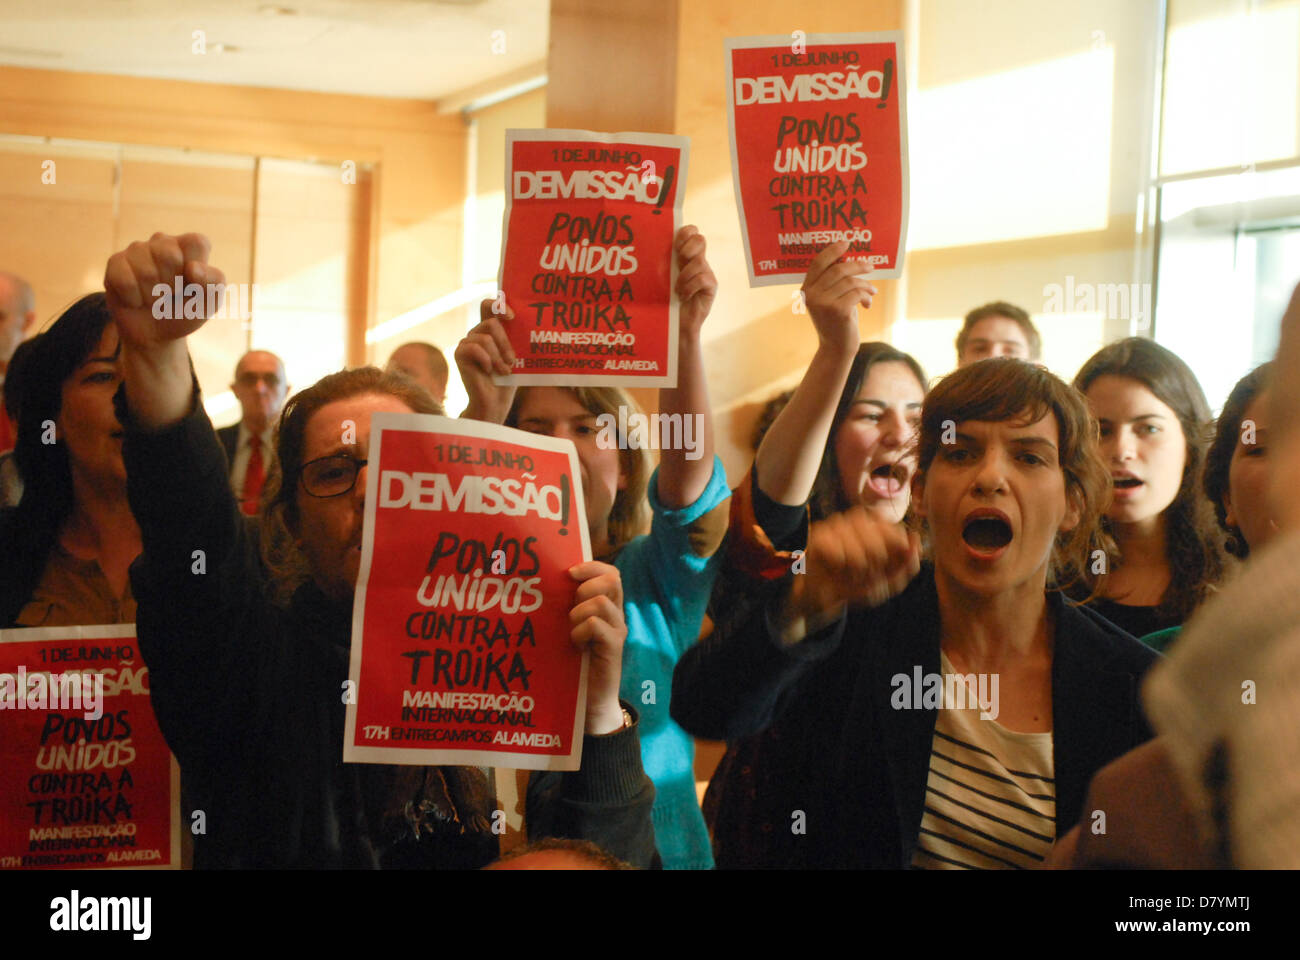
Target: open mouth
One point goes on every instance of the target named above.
(1127, 483)
(986, 534)
(888, 479)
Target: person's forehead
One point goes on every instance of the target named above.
(106, 345)
(259, 362)
(1257, 411)
(351, 415)
(997, 328)
(409, 356)
(1258, 407)
(1123, 396)
(551, 403)
(892, 375)
(1021, 427)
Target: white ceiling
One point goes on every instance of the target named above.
(425, 49)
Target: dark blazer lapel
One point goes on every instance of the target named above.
(910, 647)
(229, 442)
(1093, 710)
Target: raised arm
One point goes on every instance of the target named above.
(155, 360)
(791, 452)
(732, 682)
(197, 580)
(684, 473)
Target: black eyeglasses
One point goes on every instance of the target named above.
(331, 476)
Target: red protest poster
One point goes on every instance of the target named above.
(460, 630)
(86, 779)
(586, 256)
(818, 149)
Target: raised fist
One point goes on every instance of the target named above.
(141, 286)
(854, 558)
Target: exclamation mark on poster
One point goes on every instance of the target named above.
(887, 78)
(564, 504)
(669, 173)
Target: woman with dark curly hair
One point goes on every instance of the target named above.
(1236, 468)
(1166, 554)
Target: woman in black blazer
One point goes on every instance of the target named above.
(1010, 486)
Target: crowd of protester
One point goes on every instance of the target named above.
(1082, 566)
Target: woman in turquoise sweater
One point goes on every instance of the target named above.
(668, 573)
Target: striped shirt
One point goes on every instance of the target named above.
(990, 799)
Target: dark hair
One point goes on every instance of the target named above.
(47, 500)
(1218, 460)
(1000, 308)
(1191, 536)
(14, 377)
(54, 357)
(1002, 389)
(828, 495)
(767, 416)
(279, 498)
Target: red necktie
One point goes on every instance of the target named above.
(254, 477)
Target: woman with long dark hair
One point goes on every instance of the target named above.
(841, 440)
(66, 547)
(1153, 417)
(1237, 465)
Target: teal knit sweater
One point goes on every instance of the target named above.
(666, 589)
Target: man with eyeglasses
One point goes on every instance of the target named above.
(260, 387)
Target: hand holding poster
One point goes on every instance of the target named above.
(86, 779)
(818, 150)
(461, 649)
(587, 260)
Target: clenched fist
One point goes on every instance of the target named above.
(153, 323)
(853, 558)
(141, 281)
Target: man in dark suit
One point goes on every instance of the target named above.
(260, 387)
